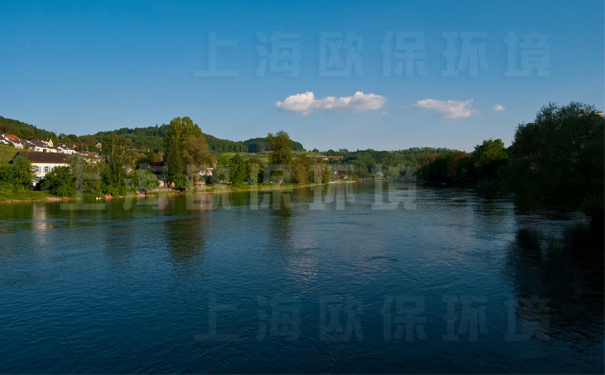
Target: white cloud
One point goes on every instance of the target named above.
(306, 103)
(498, 107)
(448, 109)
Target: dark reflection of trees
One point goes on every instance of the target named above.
(565, 271)
(280, 223)
(186, 232)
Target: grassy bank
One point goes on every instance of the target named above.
(24, 195)
(6, 154)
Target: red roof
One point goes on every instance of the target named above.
(12, 137)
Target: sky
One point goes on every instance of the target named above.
(386, 75)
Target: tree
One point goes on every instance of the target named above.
(559, 159)
(255, 171)
(185, 145)
(181, 182)
(221, 171)
(144, 180)
(120, 158)
(60, 182)
(88, 176)
(196, 155)
(19, 174)
(281, 157)
(300, 171)
(489, 157)
(238, 170)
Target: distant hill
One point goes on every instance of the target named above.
(151, 137)
(261, 144)
(23, 130)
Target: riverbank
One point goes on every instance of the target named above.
(20, 196)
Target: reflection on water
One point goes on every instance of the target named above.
(557, 277)
(128, 288)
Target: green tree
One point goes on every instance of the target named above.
(120, 159)
(221, 173)
(489, 157)
(255, 171)
(88, 174)
(559, 159)
(238, 170)
(19, 174)
(281, 157)
(144, 180)
(60, 182)
(300, 171)
(181, 182)
(197, 156)
(185, 145)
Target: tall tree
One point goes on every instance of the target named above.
(490, 156)
(185, 145)
(281, 157)
(120, 158)
(559, 159)
(238, 170)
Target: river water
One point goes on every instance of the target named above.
(347, 278)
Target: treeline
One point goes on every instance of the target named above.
(555, 161)
(23, 130)
(149, 138)
(256, 145)
(383, 164)
(281, 168)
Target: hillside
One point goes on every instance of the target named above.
(23, 130)
(151, 137)
(7, 153)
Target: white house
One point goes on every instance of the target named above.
(43, 162)
(11, 139)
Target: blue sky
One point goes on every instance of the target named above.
(84, 66)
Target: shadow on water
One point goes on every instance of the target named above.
(280, 224)
(185, 232)
(557, 277)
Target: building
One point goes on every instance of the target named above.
(43, 162)
(11, 139)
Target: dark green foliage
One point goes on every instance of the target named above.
(222, 145)
(120, 159)
(369, 163)
(221, 173)
(238, 170)
(262, 144)
(558, 159)
(300, 171)
(281, 156)
(489, 157)
(23, 130)
(88, 176)
(181, 182)
(144, 180)
(18, 174)
(255, 171)
(185, 146)
(60, 182)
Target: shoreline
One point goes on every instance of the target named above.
(206, 190)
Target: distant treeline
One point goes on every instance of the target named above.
(150, 138)
(388, 164)
(23, 130)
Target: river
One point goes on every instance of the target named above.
(346, 278)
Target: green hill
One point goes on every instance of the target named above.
(7, 153)
(23, 130)
(151, 138)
